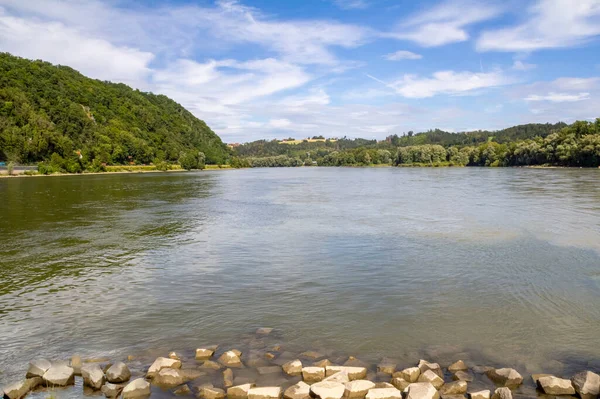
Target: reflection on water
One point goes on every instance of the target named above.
(497, 264)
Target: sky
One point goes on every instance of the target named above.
(264, 69)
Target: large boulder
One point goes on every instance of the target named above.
(587, 384)
(424, 365)
(485, 394)
(421, 390)
(137, 389)
(168, 378)
(431, 377)
(410, 374)
(264, 393)
(457, 366)
(502, 393)
(37, 368)
(383, 393)
(357, 389)
(301, 390)
(111, 390)
(21, 388)
(454, 388)
(239, 391)
(313, 374)
(231, 359)
(293, 367)
(354, 373)
(505, 376)
(204, 353)
(118, 373)
(556, 386)
(93, 376)
(327, 390)
(59, 375)
(162, 363)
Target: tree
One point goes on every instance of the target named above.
(192, 160)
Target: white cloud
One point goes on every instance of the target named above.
(279, 123)
(550, 24)
(402, 55)
(558, 97)
(523, 66)
(445, 23)
(351, 4)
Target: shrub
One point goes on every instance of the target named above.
(10, 167)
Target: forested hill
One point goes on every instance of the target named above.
(47, 109)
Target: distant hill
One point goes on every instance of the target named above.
(47, 109)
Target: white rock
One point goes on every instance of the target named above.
(93, 376)
(38, 367)
(162, 363)
(21, 388)
(118, 373)
(174, 356)
(421, 390)
(383, 393)
(354, 373)
(231, 359)
(111, 390)
(357, 389)
(210, 392)
(424, 365)
(313, 374)
(454, 388)
(505, 376)
(264, 393)
(502, 393)
(587, 384)
(59, 375)
(204, 353)
(327, 390)
(433, 378)
(556, 386)
(300, 390)
(168, 377)
(239, 391)
(410, 374)
(293, 367)
(136, 389)
(485, 394)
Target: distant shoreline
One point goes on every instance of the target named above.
(208, 167)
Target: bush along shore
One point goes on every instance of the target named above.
(216, 372)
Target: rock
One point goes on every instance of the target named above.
(268, 370)
(162, 363)
(556, 386)
(383, 384)
(21, 388)
(313, 374)
(424, 365)
(457, 366)
(264, 393)
(239, 391)
(264, 331)
(231, 359)
(228, 378)
(301, 390)
(191, 374)
(311, 355)
(410, 374)
(76, 364)
(421, 390)
(587, 384)
(502, 393)
(118, 373)
(209, 364)
(341, 377)
(270, 355)
(327, 390)
(111, 390)
(323, 363)
(354, 362)
(354, 373)
(204, 353)
(536, 377)
(462, 376)
(357, 389)
(485, 394)
(400, 383)
(138, 388)
(209, 392)
(93, 376)
(174, 356)
(182, 391)
(168, 377)
(386, 368)
(383, 393)
(481, 369)
(505, 376)
(293, 367)
(37, 368)
(59, 375)
(454, 388)
(431, 377)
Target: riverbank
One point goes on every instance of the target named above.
(115, 170)
(260, 368)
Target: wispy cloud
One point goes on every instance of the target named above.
(402, 55)
(558, 97)
(352, 4)
(519, 65)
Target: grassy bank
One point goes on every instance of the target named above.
(114, 169)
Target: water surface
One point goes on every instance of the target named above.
(500, 266)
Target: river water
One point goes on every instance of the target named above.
(500, 266)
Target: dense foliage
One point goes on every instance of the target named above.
(55, 115)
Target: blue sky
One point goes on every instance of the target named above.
(358, 68)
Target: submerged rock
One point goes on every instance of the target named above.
(239, 391)
(323, 363)
(505, 376)
(327, 390)
(231, 359)
(556, 386)
(383, 393)
(264, 330)
(264, 393)
(311, 355)
(421, 390)
(386, 367)
(431, 377)
(301, 390)
(111, 390)
(182, 391)
(118, 373)
(313, 374)
(268, 370)
(162, 363)
(485, 394)
(424, 365)
(228, 378)
(21, 388)
(502, 393)
(410, 374)
(137, 389)
(457, 366)
(454, 388)
(37, 368)
(174, 356)
(93, 376)
(357, 389)
(462, 376)
(209, 364)
(204, 353)
(59, 375)
(293, 367)
(587, 384)
(354, 373)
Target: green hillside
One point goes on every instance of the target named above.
(54, 112)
